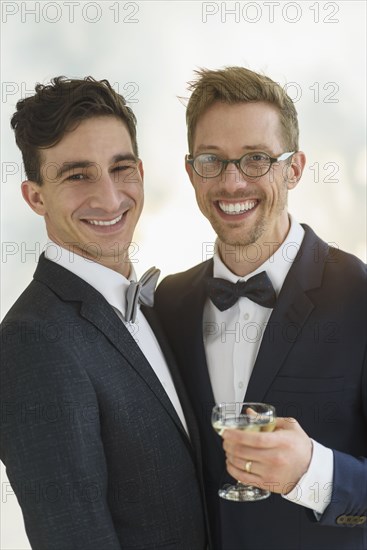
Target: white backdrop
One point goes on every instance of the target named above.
(149, 50)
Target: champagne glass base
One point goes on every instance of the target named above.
(243, 493)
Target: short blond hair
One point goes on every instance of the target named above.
(236, 85)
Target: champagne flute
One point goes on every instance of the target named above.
(251, 417)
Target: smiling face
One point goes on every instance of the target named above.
(92, 191)
(244, 210)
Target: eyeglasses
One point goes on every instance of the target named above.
(252, 165)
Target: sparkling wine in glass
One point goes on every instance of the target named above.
(252, 417)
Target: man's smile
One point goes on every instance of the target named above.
(105, 222)
(234, 208)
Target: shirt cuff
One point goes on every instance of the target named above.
(314, 489)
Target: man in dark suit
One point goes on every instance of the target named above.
(97, 434)
(283, 322)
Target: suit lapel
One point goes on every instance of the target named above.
(150, 316)
(95, 309)
(194, 368)
(291, 312)
(193, 302)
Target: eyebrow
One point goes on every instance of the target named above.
(79, 164)
(258, 147)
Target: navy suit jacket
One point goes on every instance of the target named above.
(93, 447)
(312, 366)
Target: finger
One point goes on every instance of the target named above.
(243, 452)
(235, 448)
(244, 439)
(286, 423)
(266, 482)
(241, 475)
(245, 465)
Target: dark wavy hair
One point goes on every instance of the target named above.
(41, 120)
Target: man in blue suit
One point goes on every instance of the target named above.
(283, 321)
(97, 435)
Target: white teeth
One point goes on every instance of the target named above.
(236, 208)
(100, 222)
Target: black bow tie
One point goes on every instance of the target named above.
(225, 294)
(141, 292)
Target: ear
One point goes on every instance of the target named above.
(295, 169)
(32, 194)
(189, 169)
(141, 169)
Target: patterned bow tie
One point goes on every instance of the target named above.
(225, 294)
(141, 292)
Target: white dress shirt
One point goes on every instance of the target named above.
(112, 285)
(232, 340)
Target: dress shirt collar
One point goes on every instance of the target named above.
(276, 267)
(111, 284)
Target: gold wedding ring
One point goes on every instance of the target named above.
(248, 466)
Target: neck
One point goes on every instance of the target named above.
(119, 263)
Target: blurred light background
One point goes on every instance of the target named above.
(149, 50)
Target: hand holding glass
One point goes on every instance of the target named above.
(252, 417)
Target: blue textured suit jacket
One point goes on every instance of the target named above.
(311, 365)
(93, 447)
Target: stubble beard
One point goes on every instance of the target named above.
(245, 237)
(250, 236)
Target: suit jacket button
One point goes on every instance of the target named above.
(352, 521)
